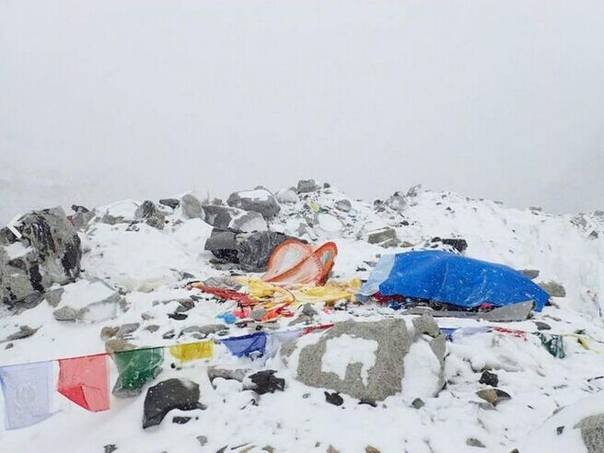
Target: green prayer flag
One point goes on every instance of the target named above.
(136, 368)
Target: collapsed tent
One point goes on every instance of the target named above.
(451, 279)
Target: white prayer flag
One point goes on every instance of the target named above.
(27, 393)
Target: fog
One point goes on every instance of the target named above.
(112, 99)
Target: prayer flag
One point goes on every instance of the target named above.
(85, 381)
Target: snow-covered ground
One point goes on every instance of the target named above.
(147, 266)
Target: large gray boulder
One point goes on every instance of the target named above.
(191, 206)
(224, 217)
(375, 352)
(259, 200)
(592, 432)
(48, 252)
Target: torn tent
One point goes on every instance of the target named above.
(448, 278)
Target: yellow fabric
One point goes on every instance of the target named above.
(193, 351)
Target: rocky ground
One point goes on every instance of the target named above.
(381, 380)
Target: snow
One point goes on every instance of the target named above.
(344, 350)
(258, 194)
(16, 250)
(147, 265)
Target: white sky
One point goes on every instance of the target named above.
(109, 99)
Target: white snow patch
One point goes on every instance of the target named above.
(16, 250)
(422, 370)
(344, 350)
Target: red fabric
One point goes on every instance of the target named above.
(319, 327)
(85, 381)
(513, 332)
(228, 294)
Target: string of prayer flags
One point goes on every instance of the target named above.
(193, 351)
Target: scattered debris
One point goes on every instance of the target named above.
(488, 378)
(171, 394)
(334, 398)
(493, 396)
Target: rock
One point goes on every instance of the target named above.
(331, 449)
(249, 222)
(531, 273)
(259, 200)
(152, 328)
(542, 325)
(265, 381)
(109, 448)
(206, 330)
(66, 313)
(258, 314)
(472, 442)
(287, 196)
(343, 205)
(382, 236)
(334, 398)
(397, 202)
(592, 432)
(308, 310)
(554, 289)
(459, 245)
(203, 440)
(181, 420)
(153, 216)
(81, 217)
(370, 449)
(559, 430)
(117, 345)
(493, 396)
(237, 374)
(53, 296)
(418, 403)
(388, 340)
(109, 332)
(250, 251)
(48, 253)
(307, 185)
(425, 325)
(23, 332)
(224, 217)
(191, 207)
(170, 394)
(488, 378)
(170, 202)
(127, 329)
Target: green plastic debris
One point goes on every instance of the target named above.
(136, 368)
(553, 343)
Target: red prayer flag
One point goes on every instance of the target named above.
(85, 381)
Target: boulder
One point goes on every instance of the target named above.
(554, 289)
(233, 218)
(170, 394)
(170, 202)
(307, 185)
(397, 202)
(343, 205)
(81, 217)
(364, 360)
(385, 237)
(259, 200)
(531, 273)
(250, 251)
(191, 206)
(287, 196)
(592, 432)
(47, 253)
(152, 216)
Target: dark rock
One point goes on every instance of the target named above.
(542, 325)
(334, 398)
(23, 332)
(206, 330)
(592, 432)
(307, 185)
(382, 236)
(459, 245)
(177, 316)
(259, 200)
(153, 216)
(109, 448)
(203, 440)
(170, 202)
(265, 381)
(49, 252)
(108, 332)
(370, 449)
(559, 430)
(181, 420)
(488, 378)
(169, 334)
(152, 328)
(531, 273)
(472, 442)
(171, 394)
(418, 403)
(368, 402)
(53, 296)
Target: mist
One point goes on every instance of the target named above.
(106, 100)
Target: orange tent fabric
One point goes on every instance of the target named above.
(294, 262)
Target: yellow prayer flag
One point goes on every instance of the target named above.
(193, 351)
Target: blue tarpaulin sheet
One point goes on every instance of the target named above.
(247, 344)
(457, 280)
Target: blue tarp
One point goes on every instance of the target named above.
(457, 280)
